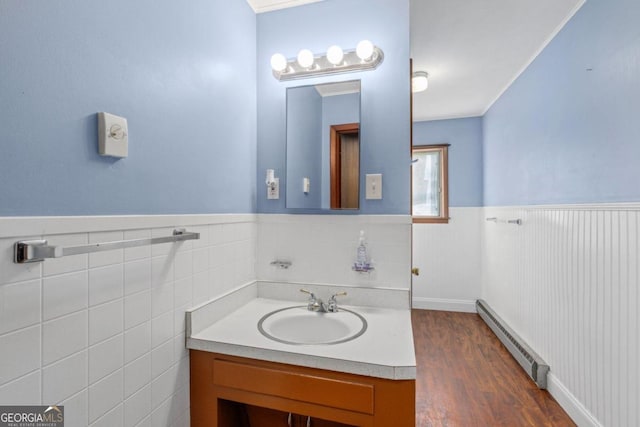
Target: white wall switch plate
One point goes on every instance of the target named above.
(374, 186)
(113, 135)
(273, 191)
(306, 185)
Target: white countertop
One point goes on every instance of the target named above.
(385, 350)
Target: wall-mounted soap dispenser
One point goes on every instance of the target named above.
(363, 263)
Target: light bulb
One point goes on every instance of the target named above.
(278, 62)
(364, 50)
(419, 81)
(305, 58)
(335, 55)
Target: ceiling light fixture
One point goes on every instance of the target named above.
(419, 81)
(365, 57)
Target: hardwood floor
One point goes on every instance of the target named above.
(467, 378)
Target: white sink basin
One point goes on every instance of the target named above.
(297, 325)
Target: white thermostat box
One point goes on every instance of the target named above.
(113, 135)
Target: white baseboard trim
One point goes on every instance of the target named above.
(576, 410)
(461, 305)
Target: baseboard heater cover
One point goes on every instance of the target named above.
(530, 361)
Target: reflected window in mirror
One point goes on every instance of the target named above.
(429, 184)
(323, 146)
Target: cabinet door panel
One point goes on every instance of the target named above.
(330, 392)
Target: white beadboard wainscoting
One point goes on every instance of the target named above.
(104, 334)
(322, 249)
(567, 281)
(448, 256)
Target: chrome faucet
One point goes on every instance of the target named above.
(314, 304)
(332, 307)
(317, 305)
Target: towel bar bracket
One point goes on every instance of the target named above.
(27, 251)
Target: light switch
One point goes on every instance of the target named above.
(113, 135)
(374, 186)
(306, 185)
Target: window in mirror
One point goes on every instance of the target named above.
(429, 184)
(323, 146)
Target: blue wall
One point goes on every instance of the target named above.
(183, 76)
(563, 134)
(304, 146)
(465, 155)
(385, 123)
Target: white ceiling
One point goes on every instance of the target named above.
(473, 50)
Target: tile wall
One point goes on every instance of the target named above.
(322, 249)
(103, 334)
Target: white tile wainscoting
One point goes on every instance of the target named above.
(322, 249)
(104, 334)
(567, 281)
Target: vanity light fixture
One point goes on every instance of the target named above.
(279, 62)
(335, 55)
(419, 81)
(366, 56)
(364, 50)
(305, 58)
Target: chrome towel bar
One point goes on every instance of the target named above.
(38, 250)
(516, 221)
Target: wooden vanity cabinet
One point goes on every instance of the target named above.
(229, 391)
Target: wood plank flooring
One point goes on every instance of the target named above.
(467, 378)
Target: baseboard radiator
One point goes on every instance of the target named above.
(531, 362)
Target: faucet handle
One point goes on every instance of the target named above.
(311, 295)
(314, 304)
(332, 306)
(339, 294)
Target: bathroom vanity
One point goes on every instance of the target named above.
(240, 377)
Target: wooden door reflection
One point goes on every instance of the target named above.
(345, 166)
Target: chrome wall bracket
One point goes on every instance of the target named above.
(281, 264)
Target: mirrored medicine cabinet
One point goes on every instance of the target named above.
(323, 146)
